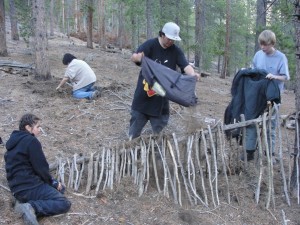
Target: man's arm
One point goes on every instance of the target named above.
(190, 71)
(63, 81)
(137, 57)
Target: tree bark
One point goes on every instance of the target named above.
(51, 18)
(149, 14)
(101, 23)
(225, 70)
(261, 20)
(3, 47)
(121, 35)
(42, 69)
(89, 33)
(294, 178)
(13, 21)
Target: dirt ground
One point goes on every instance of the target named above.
(79, 126)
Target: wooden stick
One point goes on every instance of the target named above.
(189, 162)
(208, 168)
(281, 158)
(181, 169)
(154, 166)
(96, 167)
(101, 172)
(244, 132)
(222, 152)
(90, 173)
(135, 162)
(265, 136)
(122, 163)
(175, 171)
(163, 158)
(106, 168)
(80, 176)
(147, 165)
(260, 163)
(197, 146)
(142, 168)
(112, 169)
(76, 172)
(214, 154)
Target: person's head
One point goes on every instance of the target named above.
(169, 33)
(267, 40)
(68, 58)
(30, 123)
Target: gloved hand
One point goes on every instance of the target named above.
(58, 186)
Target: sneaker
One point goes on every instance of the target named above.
(27, 213)
(95, 94)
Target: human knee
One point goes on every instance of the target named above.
(66, 205)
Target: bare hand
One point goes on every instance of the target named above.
(59, 187)
(270, 76)
(197, 75)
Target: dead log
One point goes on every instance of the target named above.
(9, 63)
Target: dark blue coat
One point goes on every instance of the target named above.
(25, 163)
(250, 92)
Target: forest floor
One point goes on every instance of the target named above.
(79, 126)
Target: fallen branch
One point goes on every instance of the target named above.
(5, 188)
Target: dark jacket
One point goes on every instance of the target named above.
(250, 92)
(25, 163)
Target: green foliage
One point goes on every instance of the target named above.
(24, 16)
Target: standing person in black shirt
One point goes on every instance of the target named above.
(28, 176)
(147, 105)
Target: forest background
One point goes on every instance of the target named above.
(215, 33)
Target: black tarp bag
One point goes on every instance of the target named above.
(178, 88)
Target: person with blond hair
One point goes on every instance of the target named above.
(275, 62)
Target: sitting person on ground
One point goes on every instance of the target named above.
(81, 76)
(29, 179)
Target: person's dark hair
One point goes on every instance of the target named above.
(160, 33)
(28, 119)
(68, 58)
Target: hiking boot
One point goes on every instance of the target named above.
(95, 94)
(27, 213)
(250, 156)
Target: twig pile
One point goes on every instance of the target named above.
(196, 168)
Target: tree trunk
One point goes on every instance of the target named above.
(101, 23)
(51, 18)
(295, 178)
(13, 21)
(42, 69)
(149, 16)
(199, 28)
(225, 70)
(3, 47)
(121, 35)
(261, 6)
(89, 32)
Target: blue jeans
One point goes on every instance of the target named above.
(138, 121)
(45, 200)
(85, 92)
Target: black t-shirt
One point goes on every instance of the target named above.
(170, 57)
